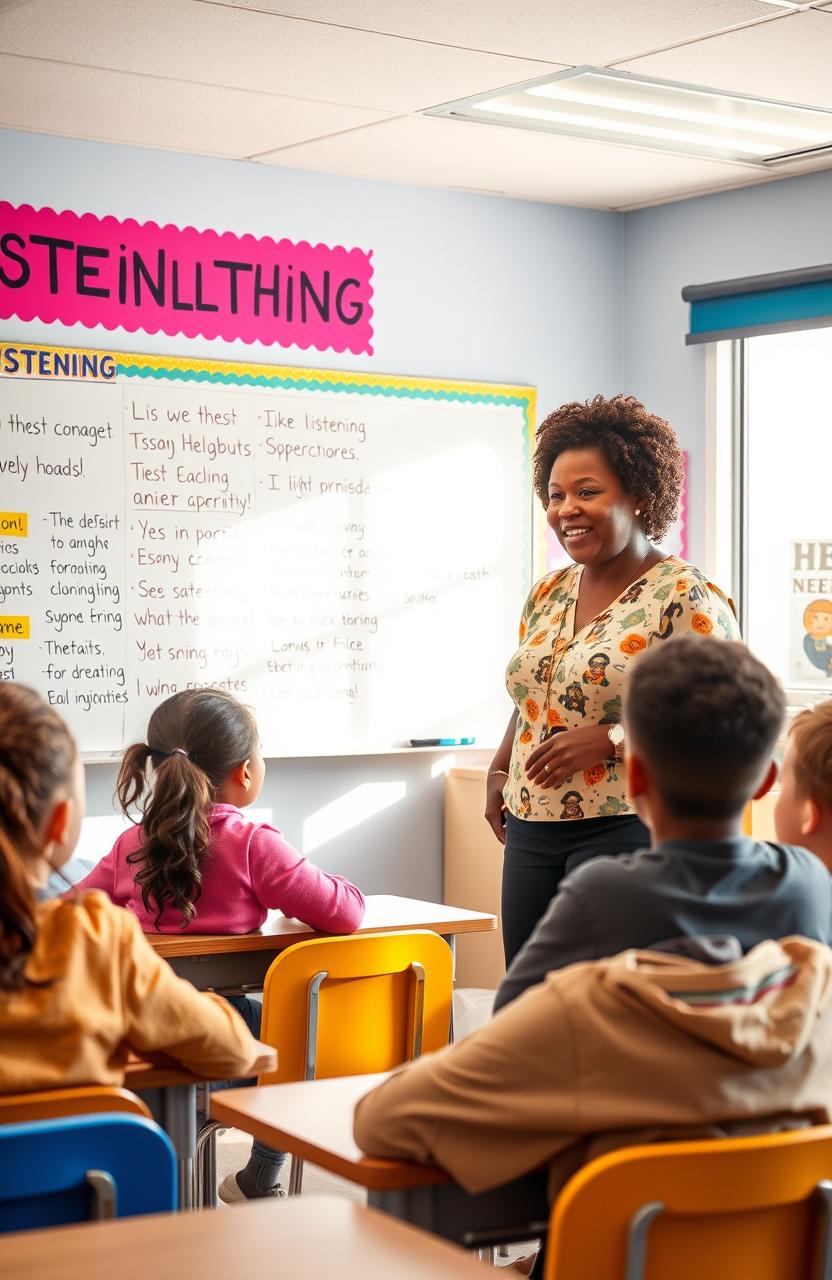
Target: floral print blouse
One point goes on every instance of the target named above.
(590, 668)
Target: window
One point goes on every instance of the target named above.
(777, 448)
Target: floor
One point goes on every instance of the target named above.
(232, 1153)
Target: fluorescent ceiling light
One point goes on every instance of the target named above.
(613, 106)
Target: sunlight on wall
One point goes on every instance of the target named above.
(98, 835)
(442, 765)
(348, 811)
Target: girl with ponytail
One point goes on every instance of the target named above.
(79, 984)
(195, 864)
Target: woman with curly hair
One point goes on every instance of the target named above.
(609, 475)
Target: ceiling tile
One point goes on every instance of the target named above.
(787, 60)
(593, 31)
(224, 45)
(49, 97)
(426, 151)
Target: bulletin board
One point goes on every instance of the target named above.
(347, 553)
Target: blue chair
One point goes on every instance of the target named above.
(80, 1167)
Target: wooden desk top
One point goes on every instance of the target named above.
(162, 1073)
(313, 1119)
(385, 912)
(310, 1235)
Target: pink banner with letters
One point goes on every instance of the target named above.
(82, 269)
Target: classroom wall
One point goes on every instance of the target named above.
(776, 227)
(466, 287)
(572, 301)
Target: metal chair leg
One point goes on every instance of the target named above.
(205, 1165)
(296, 1177)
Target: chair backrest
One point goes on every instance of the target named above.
(49, 1104)
(723, 1209)
(351, 1005)
(79, 1167)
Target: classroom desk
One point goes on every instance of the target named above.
(316, 1236)
(170, 1093)
(226, 961)
(313, 1120)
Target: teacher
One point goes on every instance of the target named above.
(609, 474)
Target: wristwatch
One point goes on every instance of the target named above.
(615, 733)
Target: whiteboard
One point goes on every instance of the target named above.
(346, 553)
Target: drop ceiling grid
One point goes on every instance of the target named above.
(787, 60)
(594, 31)
(167, 114)
(236, 48)
(521, 164)
(330, 93)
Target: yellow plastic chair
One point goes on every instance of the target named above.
(737, 1209)
(50, 1104)
(347, 1006)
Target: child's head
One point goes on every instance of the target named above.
(803, 813)
(701, 720)
(203, 747)
(817, 619)
(41, 808)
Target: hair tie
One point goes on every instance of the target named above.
(177, 751)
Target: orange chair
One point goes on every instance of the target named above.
(740, 1209)
(49, 1104)
(347, 1006)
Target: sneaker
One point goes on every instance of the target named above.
(522, 1265)
(230, 1191)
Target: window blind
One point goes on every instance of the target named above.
(773, 303)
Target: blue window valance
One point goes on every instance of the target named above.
(772, 303)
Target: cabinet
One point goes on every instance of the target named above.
(473, 875)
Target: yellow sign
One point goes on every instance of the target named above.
(14, 524)
(14, 628)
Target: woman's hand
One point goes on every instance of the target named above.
(495, 813)
(560, 756)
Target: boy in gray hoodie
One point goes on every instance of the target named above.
(650, 1043)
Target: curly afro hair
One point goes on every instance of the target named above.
(640, 448)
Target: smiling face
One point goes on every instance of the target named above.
(818, 619)
(592, 516)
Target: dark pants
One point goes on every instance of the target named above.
(539, 854)
(264, 1165)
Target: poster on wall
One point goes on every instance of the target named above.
(810, 614)
(142, 277)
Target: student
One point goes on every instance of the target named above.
(803, 812)
(196, 864)
(79, 984)
(612, 1053)
(703, 1036)
(702, 719)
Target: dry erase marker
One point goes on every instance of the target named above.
(442, 742)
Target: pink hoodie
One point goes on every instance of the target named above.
(250, 870)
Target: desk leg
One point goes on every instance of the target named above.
(515, 1211)
(450, 938)
(174, 1109)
